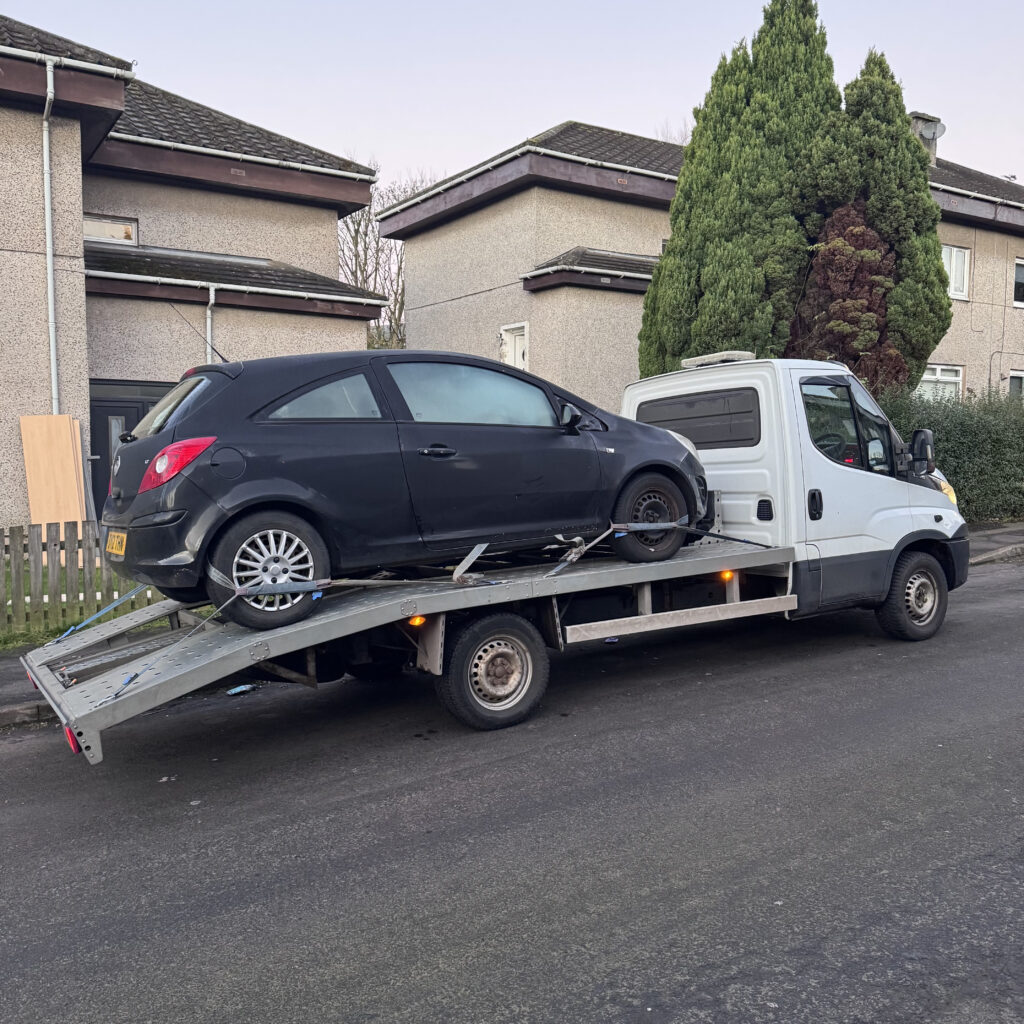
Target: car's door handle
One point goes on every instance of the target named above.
(815, 504)
(438, 451)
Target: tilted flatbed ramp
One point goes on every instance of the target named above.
(81, 674)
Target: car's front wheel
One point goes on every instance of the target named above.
(650, 498)
(268, 547)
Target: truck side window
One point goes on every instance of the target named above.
(874, 429)
(830, 420)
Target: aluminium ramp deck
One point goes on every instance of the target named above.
(223, 648)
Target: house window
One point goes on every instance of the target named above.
(1017, 384)
(514, 348)
(941, 381)
(1018, 283)
(122, 230)
(957, 262)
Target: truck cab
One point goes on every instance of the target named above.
(802, 456)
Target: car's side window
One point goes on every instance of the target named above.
(454, 393)
(874, 429)
(347, 398)
(830, 420)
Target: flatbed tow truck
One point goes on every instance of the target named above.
(818, 506)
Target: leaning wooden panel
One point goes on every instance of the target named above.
(52, 468)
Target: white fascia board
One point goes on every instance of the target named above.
(585, 270)
(474, 172)
(185, 283)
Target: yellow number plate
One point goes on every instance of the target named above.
(115, 542)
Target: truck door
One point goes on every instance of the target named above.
(855, 508)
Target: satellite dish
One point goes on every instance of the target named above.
(932, 130)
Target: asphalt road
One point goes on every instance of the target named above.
(763, 822)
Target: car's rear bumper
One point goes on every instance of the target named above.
(166, 535)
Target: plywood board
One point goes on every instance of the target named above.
(53, 468)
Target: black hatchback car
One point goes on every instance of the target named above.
(304, 467)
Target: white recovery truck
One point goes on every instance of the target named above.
(819, 505)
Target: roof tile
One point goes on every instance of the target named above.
(27, 37)
(155, 113)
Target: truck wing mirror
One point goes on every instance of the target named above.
(570, 418)
(922, 452)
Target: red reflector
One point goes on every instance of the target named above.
(172, 460)
(72, 741)
(32, 681)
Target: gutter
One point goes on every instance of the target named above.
(247, 289)
(977, 195)
(585, 270)
(504, 159)
(67, 62)
(289, 165)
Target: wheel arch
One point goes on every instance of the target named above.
(674, 473)
(271, 505)
(931, 542)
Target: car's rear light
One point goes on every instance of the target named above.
(172, 460)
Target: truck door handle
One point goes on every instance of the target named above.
(815, 504)
(438, 451)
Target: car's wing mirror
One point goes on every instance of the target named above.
(922, 451)
(570, 418)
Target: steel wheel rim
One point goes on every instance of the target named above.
(500, 672)
(272, 556)
(921, 597)
(652, 507)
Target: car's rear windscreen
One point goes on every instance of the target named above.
(710, 419)
(176, 400)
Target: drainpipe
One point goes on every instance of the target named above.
(209, 324)
(51, 309)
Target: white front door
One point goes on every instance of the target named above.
(855, 508)
(514, 346)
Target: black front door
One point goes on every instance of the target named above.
(114, 407)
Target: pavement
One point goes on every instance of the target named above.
(756, 822)
(21, 703)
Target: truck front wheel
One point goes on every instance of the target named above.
(916, 604)
(496, 672)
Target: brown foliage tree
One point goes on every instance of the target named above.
(843, 313)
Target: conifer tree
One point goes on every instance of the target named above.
(867, 155)
(735, 263)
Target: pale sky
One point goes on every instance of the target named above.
(436, 87)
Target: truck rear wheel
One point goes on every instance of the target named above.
(496, 672)
(916, 604)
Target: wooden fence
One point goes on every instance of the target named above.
(52, 578)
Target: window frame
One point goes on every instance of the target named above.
(1015, 375)
(836, 382)
(403, 414)
(752, 442)
(133, 222)
(263, 415)
(965, 296)
(938, 379)
(1018, 264)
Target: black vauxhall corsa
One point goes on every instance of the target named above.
(304, 467)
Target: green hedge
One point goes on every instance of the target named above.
(979, 446)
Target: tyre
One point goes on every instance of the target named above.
(650, 498)
(186, 595)
(268, 547)
(916, 604)
(496, 672)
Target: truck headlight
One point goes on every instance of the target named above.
(948, 491)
